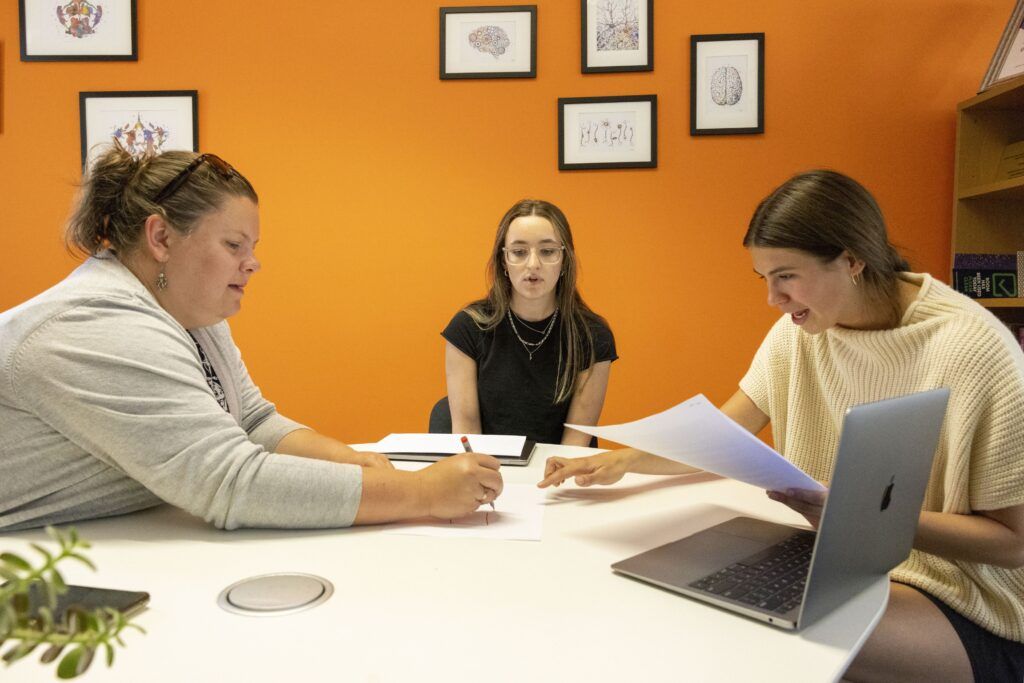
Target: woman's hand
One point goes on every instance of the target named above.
(457, 485)
(603, 468)
(807, 503)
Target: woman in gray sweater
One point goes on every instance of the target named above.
(121, 388)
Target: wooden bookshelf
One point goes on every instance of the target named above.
(988, 211)
(1002, 303)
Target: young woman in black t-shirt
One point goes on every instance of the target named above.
(532, 355)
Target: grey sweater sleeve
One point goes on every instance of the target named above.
(123, 385)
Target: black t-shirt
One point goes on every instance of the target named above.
(515, 393)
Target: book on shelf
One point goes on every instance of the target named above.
(988, 276)
(986, 284)
(1011, 165)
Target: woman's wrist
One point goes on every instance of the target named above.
(629, 458)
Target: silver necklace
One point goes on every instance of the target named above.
(532, 347)
(525, 324)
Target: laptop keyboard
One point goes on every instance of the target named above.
(772, 579)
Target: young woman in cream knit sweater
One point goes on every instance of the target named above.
(857, 327)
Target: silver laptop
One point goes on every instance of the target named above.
(790, 577)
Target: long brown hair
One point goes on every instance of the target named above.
(824, 213)
(576, 352)
(117, 198)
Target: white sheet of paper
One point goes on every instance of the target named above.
(697, 433)
(518, 516)
(492, 444)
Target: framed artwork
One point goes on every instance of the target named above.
(727, 84)
(616, 35)
(143, 122)
(607, 132)
(78, 30)
(489, 42)
(1008, 59)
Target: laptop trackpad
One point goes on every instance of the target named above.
(694, 557)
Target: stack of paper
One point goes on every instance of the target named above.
(696, 433)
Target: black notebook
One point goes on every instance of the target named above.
(509, 450)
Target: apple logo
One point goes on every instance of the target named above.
(887, 496)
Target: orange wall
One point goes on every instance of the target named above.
(381, 185)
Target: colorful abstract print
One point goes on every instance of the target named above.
(79, 18)
(141, 139)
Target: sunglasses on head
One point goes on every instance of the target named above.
(223, 168)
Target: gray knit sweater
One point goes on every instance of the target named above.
(105, 409)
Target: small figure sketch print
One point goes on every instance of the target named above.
(618, 25)
(607, 130)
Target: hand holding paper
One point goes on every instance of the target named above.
(696, 433)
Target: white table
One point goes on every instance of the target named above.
(410, 608)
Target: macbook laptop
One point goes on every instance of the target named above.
(790, 577)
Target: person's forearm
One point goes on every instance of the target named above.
(389, 495)
(974, 538)
(570, 437)
(465, 425)
(641, 462)
(306, 443)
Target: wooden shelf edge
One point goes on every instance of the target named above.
(1009, 188)
(1017, 302)
(989, 99)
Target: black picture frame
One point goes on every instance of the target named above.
(523, 63)
(726, 85)
(584, 112)
(186, 105)
(29, 52)
(645, 34)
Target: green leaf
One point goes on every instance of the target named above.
(42, 551)
(110, 653)
(73, 619)
(58, 582)
(18, 651)
(50, 593)
(69, 665)
(52, 653)
(84, 560)
(8, 574)
(46, 615)
(15, 561)
(20, 603)
(55, 534)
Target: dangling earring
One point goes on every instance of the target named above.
(506, 272)
(161, 280)
(854, 280)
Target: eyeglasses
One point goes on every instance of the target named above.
(548, 255)
(226, 171)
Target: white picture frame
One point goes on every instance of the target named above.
(607, 132)
(143, 122)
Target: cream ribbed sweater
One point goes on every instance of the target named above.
(805, 383)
